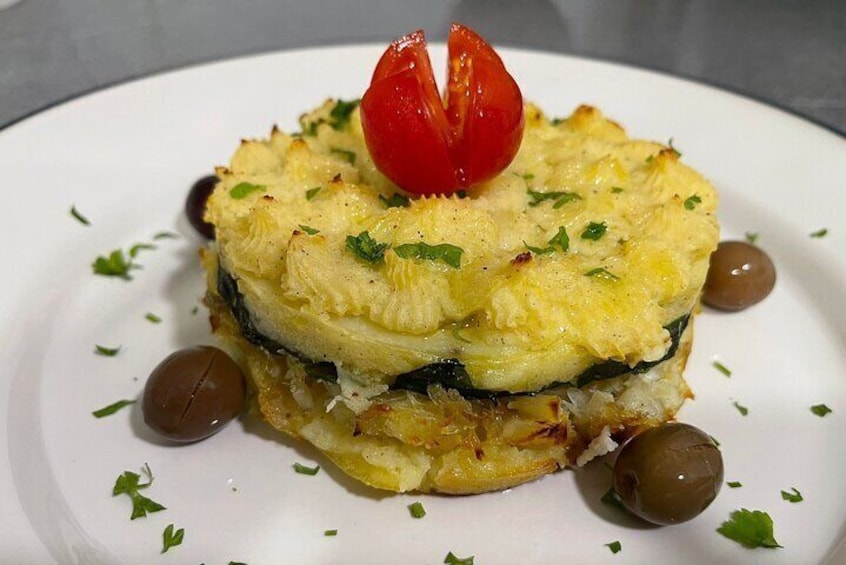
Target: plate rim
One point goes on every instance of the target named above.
(502, 46)
(129, 82)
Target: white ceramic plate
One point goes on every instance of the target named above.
(126, 157)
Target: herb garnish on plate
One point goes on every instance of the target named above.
(171, 538)
(112, 408)
(750, 528)
(129, 484)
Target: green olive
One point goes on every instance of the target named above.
(668, 474)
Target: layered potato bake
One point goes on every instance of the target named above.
(463, 343)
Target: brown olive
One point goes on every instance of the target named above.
(740, 275)
(668, 474)
(193, 393)
(195, 205)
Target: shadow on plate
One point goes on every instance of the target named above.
(254, 425)
(188, 322)
(592, 482)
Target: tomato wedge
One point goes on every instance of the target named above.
(427, 145)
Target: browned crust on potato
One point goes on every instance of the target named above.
(441, 442)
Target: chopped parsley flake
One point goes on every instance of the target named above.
(112, 408)
(742, 409)
(243, 189)
(330, 533)
(602, 273)
(539, 250)
(594, 231)
(567, 197)
(819, 233)
(751, 237)
(339, 117)
(165, 235)
(303, 470)
(793, 497)
(715, 441)
(560, 197)
(820, 410)
(734, 484)
(348, 156)
(106, 351)
(308, 229)
(138, 247)
(396, 200)
(445, 252)
(560, 239)
(616, 189)
(525, 176)
(310, 128)
(115, 265)
(692, 201)
(721, 368)
(451, 559)
(614, 546)
(312, 192)
(366, 247)
(673, 149)
(611, 498)
(750, 528)
(150, 317)
(171, 538)
(129, 484)
(79, 217)
(416, 510)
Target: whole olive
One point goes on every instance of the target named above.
(668, 474)
(739, 276)
(193, 393)
(195, 205)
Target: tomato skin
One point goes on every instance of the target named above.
(429, 146)
(403, 139)
(491, 120)
(405, 53)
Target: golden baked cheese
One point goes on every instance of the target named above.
(585, 249)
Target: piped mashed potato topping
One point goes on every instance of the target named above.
(584, 258)
(520, 312)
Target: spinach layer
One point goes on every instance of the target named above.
(449, 373)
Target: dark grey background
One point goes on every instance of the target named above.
(789, 53)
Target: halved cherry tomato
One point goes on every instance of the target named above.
(429, 146)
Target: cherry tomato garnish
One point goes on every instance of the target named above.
(427, 145)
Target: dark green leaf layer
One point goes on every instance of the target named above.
(450, 373)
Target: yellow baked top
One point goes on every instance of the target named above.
(519, 311)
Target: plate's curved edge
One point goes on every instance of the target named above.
(51, 519)
(839, 550)
(187, 67)
(373, 45)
